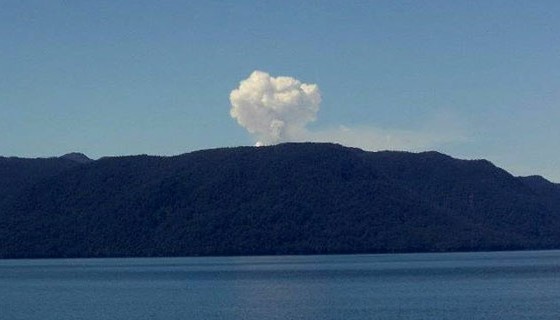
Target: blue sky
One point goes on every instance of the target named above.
(473, 79)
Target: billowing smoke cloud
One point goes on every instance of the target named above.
(278, 109)
(274, 109)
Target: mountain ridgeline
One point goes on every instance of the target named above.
(286, 199)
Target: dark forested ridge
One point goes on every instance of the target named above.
(285, 199)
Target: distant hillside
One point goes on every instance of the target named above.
(77, 157)
(285, 199)
(16, 174)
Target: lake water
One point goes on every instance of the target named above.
(498, 285)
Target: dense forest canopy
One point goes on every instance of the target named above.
(301, 198)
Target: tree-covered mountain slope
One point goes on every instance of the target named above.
(286, 199)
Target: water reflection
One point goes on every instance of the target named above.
(505, 285)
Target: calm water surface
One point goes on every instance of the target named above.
(500, 285)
